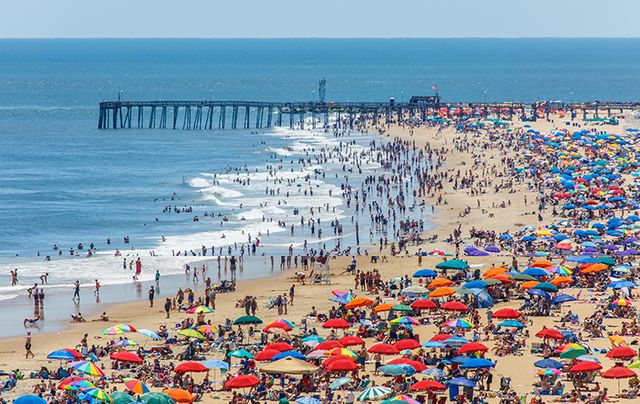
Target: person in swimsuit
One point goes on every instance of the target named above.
(27, 346)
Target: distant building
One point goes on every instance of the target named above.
(425, 101)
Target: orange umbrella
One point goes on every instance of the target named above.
(442, 292)
(595, 268)
(359, 302)
(490, 273)
(383, 307)
(528, 284)
(439, 282)
(504, 278)
(542, 264)
(561, 280)
(179, 395)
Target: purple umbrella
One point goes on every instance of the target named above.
(492, 248)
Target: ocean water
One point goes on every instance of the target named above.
(63, 182)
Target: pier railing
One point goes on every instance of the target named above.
(259, 114)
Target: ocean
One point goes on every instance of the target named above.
(64, 182)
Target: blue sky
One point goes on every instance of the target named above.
(325, 18)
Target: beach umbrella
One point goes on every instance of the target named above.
(192, 333)
(462, 381)
(442, 292)
(506, 313)
(385, 349)
(458, 323)
(433, 372)
(179, 395)
(542, 263)
(618, 372)
(494, 271)
(407, 343)
(150, 334)
(383, 307)
(307, 400)
(535, 272)
(280, 324)
(588, 358)
(374, 393)
(477, 363)
(126, 342)
(79, 385)
(621, 302)
(634, 365)
(87, 368)
(120, 397)
(207, 329)
(351, 340)
(546, 286)
(539, 292)
(336, 384)
(562, 298)
(401, 307)
(477, 284)
(548, 372)
(216, 364)
(282, 346)
(550, 333)
(200, 309)
(425, 273)
(594, 268)
(622, 284)
(341, 351)
(440, 337)
(621, 352)
(439, 282)
(548, 363)
(341, 365)
(239, 382)
(571, 351)
(312, 339)
(190, 366)
(288, 354)
(470, 347)
(585, 367)
(401, 399)
(136, 386)
(97, 394)
(157, 398)
(423, 304)
(335, 323)
(403, 320)
(418, 366)
(397, 370)
(68, 380)
(432, 344)
(29, 399)
(428, 385)
(528, 285)
(359, 302)
(241, 353)
(453, 264)
(124, 356)
(511, 323)
(247, 320)
(266, 355)
(65, 354)
(454, 306)
(289, 365)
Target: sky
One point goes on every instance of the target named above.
(324, 18)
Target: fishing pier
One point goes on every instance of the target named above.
(207, 115)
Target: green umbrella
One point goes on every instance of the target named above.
(464, 291)
(191, 333)
(157, 398)
(247, 320)
(491, 281)
(401, 307)
(572, 353)
(607, 260)
(523, 277)
(120, 397)
(453, 264)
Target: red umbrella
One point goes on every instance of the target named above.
(472, 347)
(239, 382)
(440, 337)
(618, 372)
(335, 323)
(506, 313)
(454, 306)
(124, 356)
(550, 333)
(334, 358)
(266, 355)
(385, 349)
(190, 367)
(69, 380)
(621, 352)
(423, 304)
(342, 365)
(328, 344)
(408, 343)
(418, 366)
(351, 340)
(586, 366)
(428, 385)
(280, 346)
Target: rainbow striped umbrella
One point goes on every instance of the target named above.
(571, 351)
(403, 398)
(87, 368)
(200, 309)
(97, 394)
(459, 323)
(548, 372)
(126, 342)
(79, 385)
(118, 329)
(404, 320)
(341, 351)
(136, 386)
(559, 269)
(207, 329)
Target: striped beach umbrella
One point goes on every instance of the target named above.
(374, 393)
(136, 386)
(200, 309)
(126, 342)
(207, 329)
(458, 323)
(192, 333)
(97, 394)
(87, 368)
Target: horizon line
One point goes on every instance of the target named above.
(312, 37)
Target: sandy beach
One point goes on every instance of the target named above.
(497, 202)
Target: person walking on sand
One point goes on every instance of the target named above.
(152, 293)
(167, 306)
(27, 346)
(76, 290)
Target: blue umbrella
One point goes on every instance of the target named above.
(286, 354)
(455, 341)
(397, 370)
(61, 354)
(425, 273)
(548, 363)
(29, 399)
(622, 284)
(216, 364)
(562, 298)
(539, 292)
(460, 359)
(535, 272)
(307, 400)
(477, 363)
(512, 323)
(432, 344)
(462, 381)
(477, 284)
(336, 384)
